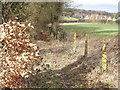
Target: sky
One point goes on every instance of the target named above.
(101, 5)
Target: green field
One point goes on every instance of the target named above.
(99, 30)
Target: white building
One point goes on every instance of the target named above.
(114, 19)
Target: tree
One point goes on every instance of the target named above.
(13, 9)
(44, 13)
(40, 14)
(114, 16)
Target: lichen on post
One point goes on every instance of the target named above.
(104, 56)
(74, 49)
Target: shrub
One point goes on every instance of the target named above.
(68, 20)
(81, 20)
(103, 21)
(117, 21)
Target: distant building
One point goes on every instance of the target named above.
(96, 17)
(79, 15)
(109, 18)
(87, 17)
(118, 18)
(114, 19)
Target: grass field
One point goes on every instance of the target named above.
(99, 30)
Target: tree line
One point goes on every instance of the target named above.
(40, 14)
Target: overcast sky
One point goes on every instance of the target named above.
(103, 5)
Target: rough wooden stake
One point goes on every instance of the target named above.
(86, 45)
(74, 49)
(104, 56)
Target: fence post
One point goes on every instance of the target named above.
(74, 49)
(86, 45)
(1, 18)
(1, 21)
(104, 56)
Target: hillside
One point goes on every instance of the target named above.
(72, 12)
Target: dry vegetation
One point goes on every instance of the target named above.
(72, 70)
(59, 66)
(18, 54)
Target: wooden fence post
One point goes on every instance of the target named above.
(74, 49)
(104, 56)
(1, 12)
(86, 45)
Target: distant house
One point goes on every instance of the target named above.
(79, 15)
(118, 18)
(114, 19)
(87, 17)
(96, 17)
(66, 14)
(109, 18)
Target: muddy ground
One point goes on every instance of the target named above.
(66, 69)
